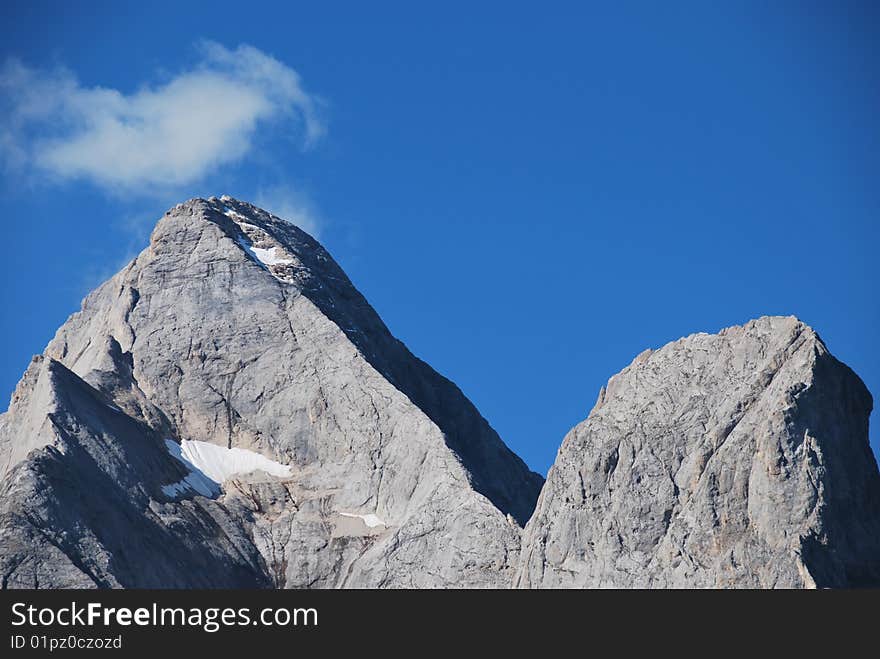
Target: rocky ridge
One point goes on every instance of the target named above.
(732, 460)
(237, 329)
(229, 411)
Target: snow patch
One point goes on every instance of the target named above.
(235, 215)
(194, 481)
(211, 465)
(220, 463)
(369, 519)
(268, 256)
(265, 256)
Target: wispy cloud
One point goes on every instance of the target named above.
(292, 205)
(159, 136)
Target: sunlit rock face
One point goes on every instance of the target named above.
(736, 459)
(229, 411)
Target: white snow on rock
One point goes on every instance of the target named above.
(265, 256)
(195, 480)
(369, 519)
(210, 465)
(235, 215)
(269, 257)
(220, 463)
(247, 226)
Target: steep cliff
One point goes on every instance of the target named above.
(736, 459)
(236, 330)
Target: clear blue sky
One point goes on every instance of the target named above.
(528, 195)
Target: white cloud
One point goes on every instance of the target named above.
(292, 205)
(158, 136)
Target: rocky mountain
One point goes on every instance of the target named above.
(229, 411)
(737, 459)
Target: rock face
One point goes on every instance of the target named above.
(237, 329)
(228, 411)
(738, 459)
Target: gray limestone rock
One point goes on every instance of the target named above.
(234, 339)
(237, 329)
(732, 460)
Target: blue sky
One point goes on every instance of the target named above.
(528, 196)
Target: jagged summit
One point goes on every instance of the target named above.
(279, 246)
(236, 336)
(734, 459)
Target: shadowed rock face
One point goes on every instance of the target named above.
(738, 459)
(236, 328)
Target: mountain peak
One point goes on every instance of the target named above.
(229, 411)
(732, 459)
(236, 332)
